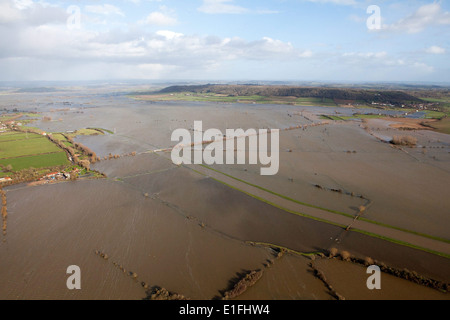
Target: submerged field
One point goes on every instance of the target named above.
(196, 230)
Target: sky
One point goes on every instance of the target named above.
(228, 40)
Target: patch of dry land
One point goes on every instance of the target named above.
(155, 230)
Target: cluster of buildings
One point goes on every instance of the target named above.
(5, 179)
(52, 176)
(390, 105)
(56, 176)
(12, 124)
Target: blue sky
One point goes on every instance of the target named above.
(299, 40)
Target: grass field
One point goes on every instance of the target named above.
(363, 116)
(29, 150)
(8, 117)
(16, 136)
(326, 117)
(211, 97)
(315, 102)
(32, 115)
(440, 100)
(37, 161)
(434, 114)
(26, 147)
(82, 132)
(33, 129)
(58, 136)
(9, 133)
(22, 150)
(442, 126)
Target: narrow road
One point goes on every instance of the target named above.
(326, 216)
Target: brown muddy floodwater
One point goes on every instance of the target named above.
(179, 229)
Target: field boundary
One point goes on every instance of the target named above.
(333, 211)
(368, 233)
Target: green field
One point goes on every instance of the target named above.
(20, 150)
(212, 97)
(326, 117)
(17, 136)
(32, 129)
(58, 136)
(207, 97)
(442, 126)
(29, 150)
(7, 117)
(68, 144)
(31, 115)
(364, 116)
(315, 102)
(353, 117)
(26, 147)
(440, 100)
(82, 132)
(37, 161)
(434, 114)
(9, 133)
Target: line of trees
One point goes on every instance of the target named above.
(87, 151)
(4, 211)
(72, 152)
(367, 95)
(117, 156)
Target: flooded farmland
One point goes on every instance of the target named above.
(192, 230)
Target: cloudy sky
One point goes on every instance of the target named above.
(324, 40)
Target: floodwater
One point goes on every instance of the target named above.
(340, 274)
(184, 231)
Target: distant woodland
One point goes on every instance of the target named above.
(395, 97)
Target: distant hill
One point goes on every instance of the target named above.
(37, 89)
(394, 97)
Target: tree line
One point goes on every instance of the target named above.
(4, 211)
(368, 95)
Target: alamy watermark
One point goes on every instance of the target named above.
(74, 281)
(74, 19)
(374, 21)
(374, 281)
(221, 148)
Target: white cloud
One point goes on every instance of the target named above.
(14, 12)
(23, 4)
(423, 67)
(35, 43)
(382, 62)
(169, 34)
(9, 13)
(139, 1)
(435, 50)
(338, 2)
(377, 55)
(159, 18)
(105, 9)
(266, 11)
(427, 15)
(38, 51)
(221, 6)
